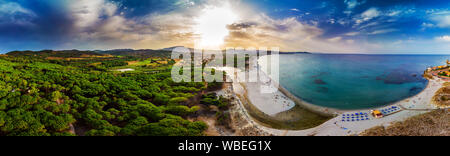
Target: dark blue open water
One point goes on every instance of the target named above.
(355, 81)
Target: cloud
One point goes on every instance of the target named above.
(155, 24)
(440, 18)
(289, 34)
(445, 38)
(103, 29)
(351, 4)
(268, 32)
(185, 3)
(152, 31)
(99, 22)
(367, 15)
(332, 21)
(394, 13)
(442, 21)
(352, 33)
(350, 41)
(383, 31)
(101, 25)
(343, 21)
(14, 13)
(240, 26)
(398, 11)
(335, 39)
(428, 25)
(370, 14)
(295, 9)
(368, 25)
(14, 8)
(438, 12)
(89, 12)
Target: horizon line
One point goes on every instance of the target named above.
(328, 53)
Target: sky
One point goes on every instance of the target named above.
(331, 26)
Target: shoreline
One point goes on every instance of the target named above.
(328, 111)
(334, 126)
(323, 110)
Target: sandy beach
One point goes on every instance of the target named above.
(274, 104)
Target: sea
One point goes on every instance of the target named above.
(354, 81)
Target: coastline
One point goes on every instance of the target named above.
(412, 106)
(327, 111)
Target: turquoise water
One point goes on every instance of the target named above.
(355, 81)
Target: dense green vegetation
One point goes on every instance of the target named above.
(222, 114)
(45, 97)
(212, 99)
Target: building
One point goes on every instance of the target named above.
(446, 73)
(377, 114)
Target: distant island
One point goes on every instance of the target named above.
(295, 53)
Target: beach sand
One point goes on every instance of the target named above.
(274, 104)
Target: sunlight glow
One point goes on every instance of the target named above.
(212, 26)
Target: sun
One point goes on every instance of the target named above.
(212, 26)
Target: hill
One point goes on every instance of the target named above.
(138, 53)
(58, 54)
(78, 55)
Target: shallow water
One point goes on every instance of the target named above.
(354, 81)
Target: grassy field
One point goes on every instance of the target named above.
(147, 66)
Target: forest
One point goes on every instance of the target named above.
(80, 93)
